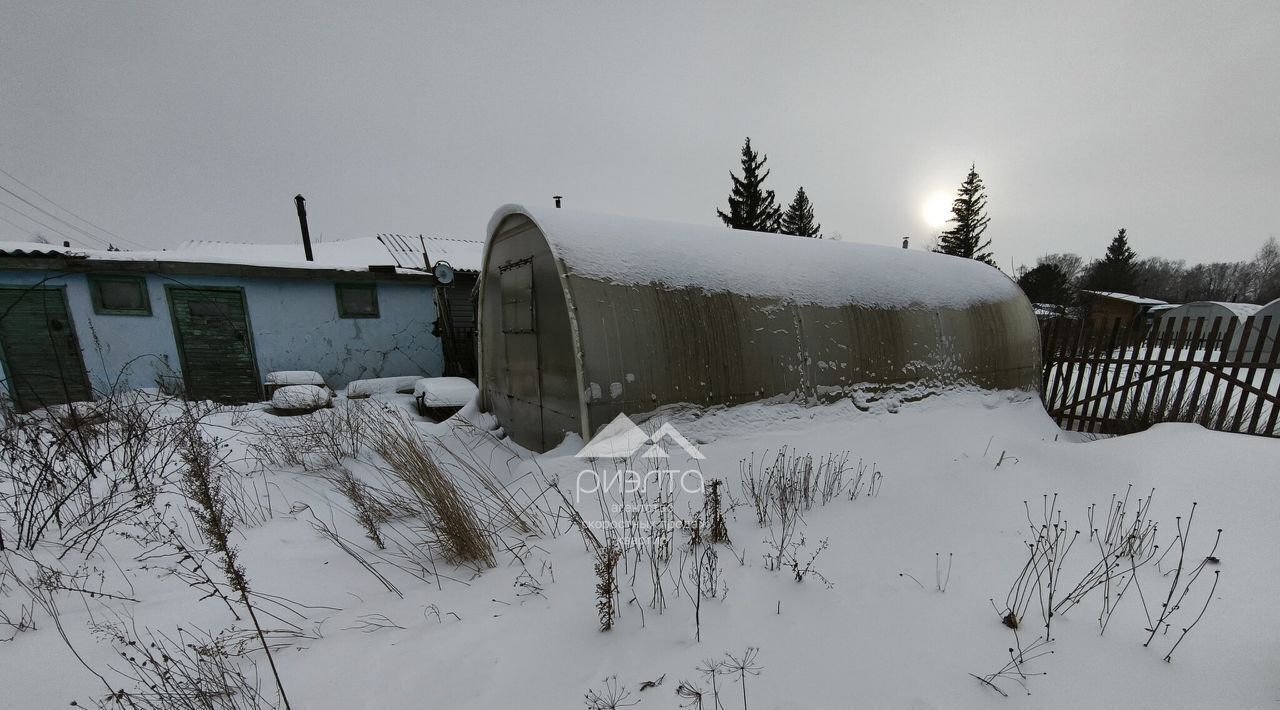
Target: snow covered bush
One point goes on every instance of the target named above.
(1123, 547)
(316, 441)
(71, 474)
(188, 670)
(792, 482)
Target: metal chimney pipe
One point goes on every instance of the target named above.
(301, 202)
(557, 198)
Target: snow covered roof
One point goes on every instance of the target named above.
(403, 253)
(387, 249)
(1139, 300)
(1242, 310)
(637, 251)
(1238, 310)
(1049, 309)
(34, 249)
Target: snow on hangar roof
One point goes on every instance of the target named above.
(635, 251)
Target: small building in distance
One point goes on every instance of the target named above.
(1265, 339)
(1105, 307)
(584, 317)
(209, 320)
(1217, 322)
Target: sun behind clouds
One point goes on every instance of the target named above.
(937, 209)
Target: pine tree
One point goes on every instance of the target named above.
(752, 207)
(1117, 271)
(798, 219)
(969, 217)
(1047, 283)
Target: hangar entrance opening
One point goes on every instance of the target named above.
(529, 372)
(520, 334)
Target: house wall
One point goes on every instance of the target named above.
(295, 326)
(1104, 311)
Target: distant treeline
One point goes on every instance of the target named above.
(1057, 278)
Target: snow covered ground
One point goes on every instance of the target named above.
(960, 477)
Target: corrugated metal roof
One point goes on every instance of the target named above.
(38, 250)
(386, 249)
(402, 254)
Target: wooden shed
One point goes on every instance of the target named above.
(1105, 307)
(584, 317)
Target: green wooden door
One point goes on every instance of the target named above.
(41, 355)
(215, 345)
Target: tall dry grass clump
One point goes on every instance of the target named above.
(453, 519)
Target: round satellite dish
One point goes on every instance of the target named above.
(443, 272)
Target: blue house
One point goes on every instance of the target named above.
(209, 320)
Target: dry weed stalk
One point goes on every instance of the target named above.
(452, 517)
(201, 483)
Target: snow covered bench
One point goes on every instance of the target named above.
(300, 399)
(358, 389)
(286, 378)
(439, 398)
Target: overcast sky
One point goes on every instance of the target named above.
(163, 122)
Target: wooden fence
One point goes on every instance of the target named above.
(1121, 379)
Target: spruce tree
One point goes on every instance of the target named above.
(752, 207)
(1117, 271)
(798, 219)
(969, 219)
(1047, 283)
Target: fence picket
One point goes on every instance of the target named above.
(1163, 340)
(1081, 369)
(1064, 370)
(1186, 346)
(1254, 350)
(1207, 409)
(1127, 362)
(1272, 358)
(1108, 363)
